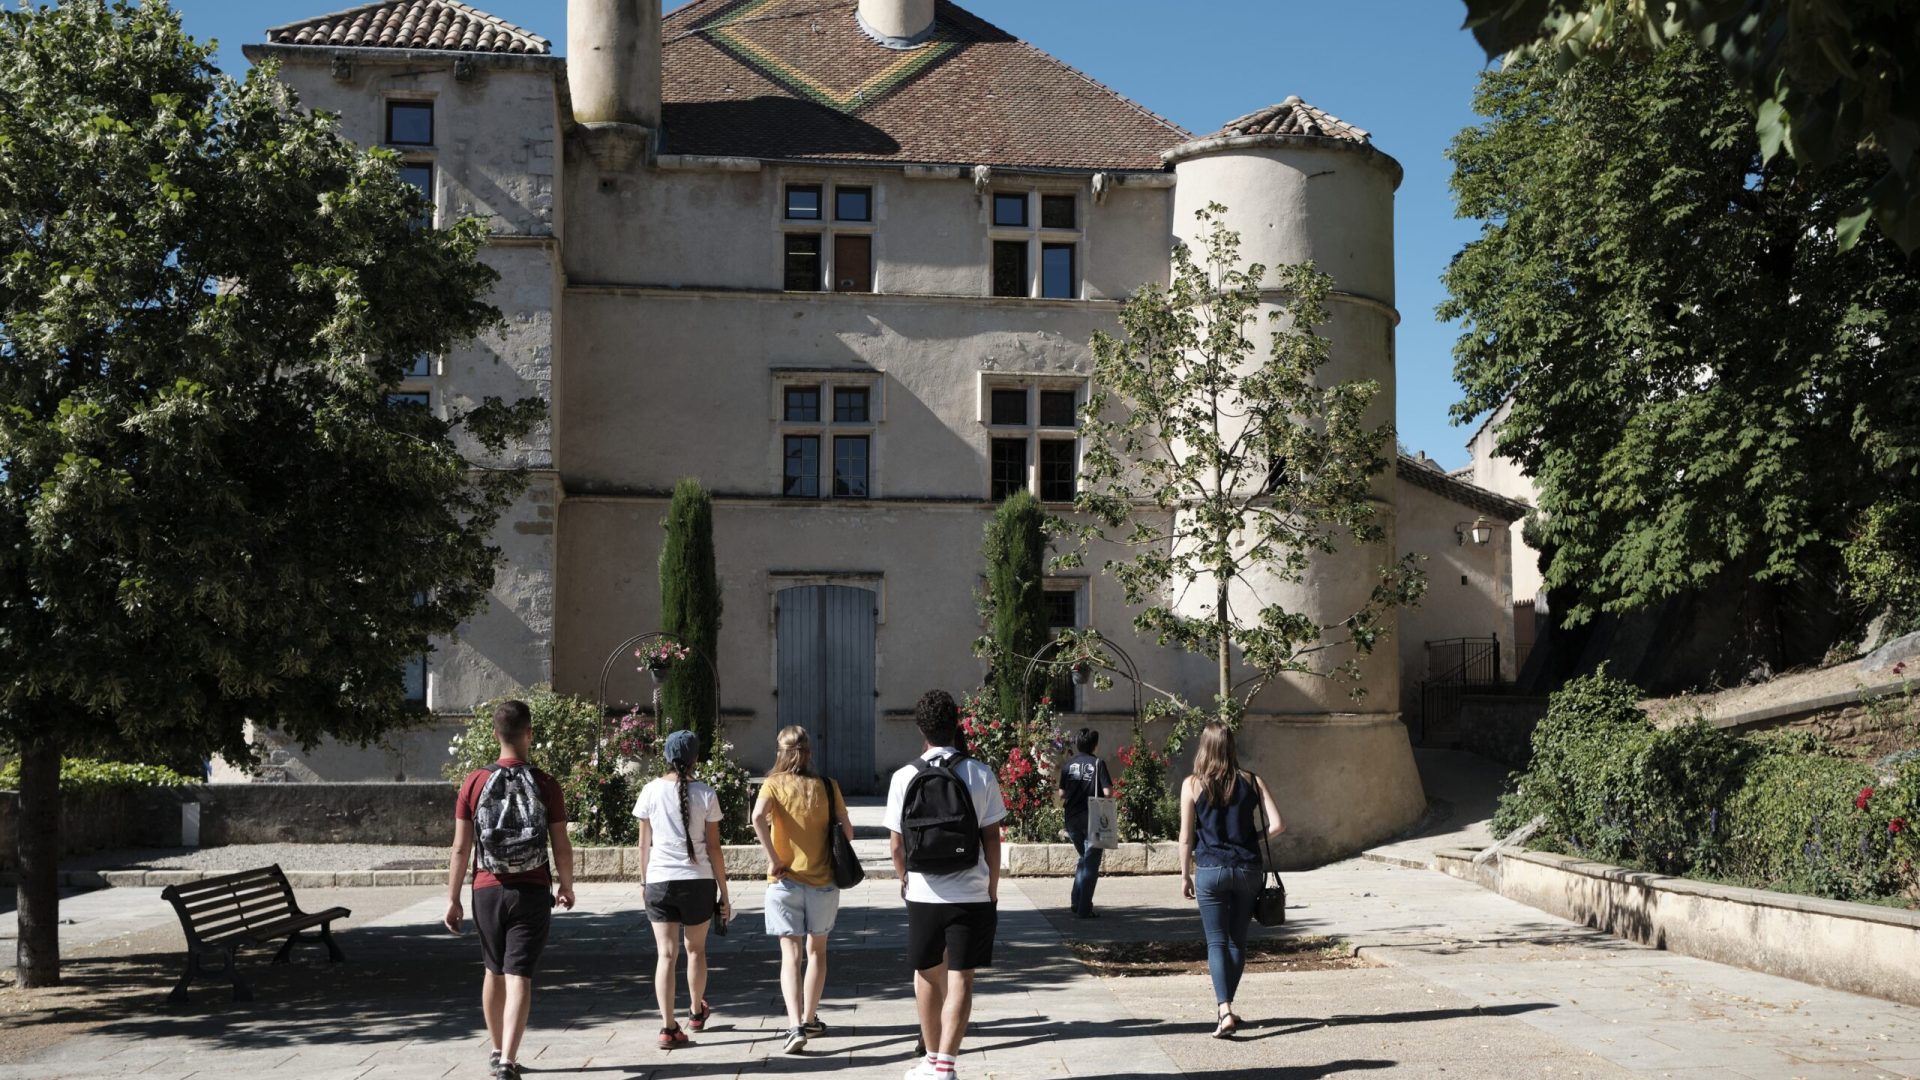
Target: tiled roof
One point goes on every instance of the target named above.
(445, 25)
(800, 80)
(1426, 474)
(1291, 117)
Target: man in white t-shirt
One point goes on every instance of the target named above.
(951, 916)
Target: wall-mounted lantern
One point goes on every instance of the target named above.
(1479, 530)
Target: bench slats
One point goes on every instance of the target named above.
(224, 902)
(226, 883)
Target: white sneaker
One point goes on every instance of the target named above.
(924, 1070)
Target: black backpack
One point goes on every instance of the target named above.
(510, 821)
(942, 829)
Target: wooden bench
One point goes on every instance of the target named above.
(220, 914)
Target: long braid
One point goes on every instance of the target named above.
(686, 809)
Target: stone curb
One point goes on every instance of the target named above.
(745, 862)
(1860, 948)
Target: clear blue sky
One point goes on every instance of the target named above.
(1402, 69)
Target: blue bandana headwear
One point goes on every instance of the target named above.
(683, 747)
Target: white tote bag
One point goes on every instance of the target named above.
(1103, 822)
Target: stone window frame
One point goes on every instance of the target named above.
(416, 153)
(1038, 237)
(388, 101)
(420, 384)
(828, 225)
(826, 428)
(1081, 587)
(1033, 431)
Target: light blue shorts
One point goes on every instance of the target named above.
(794, 909)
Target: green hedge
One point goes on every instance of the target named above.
(82, 775)
(1776, 812)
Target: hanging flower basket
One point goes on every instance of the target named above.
(660, 657)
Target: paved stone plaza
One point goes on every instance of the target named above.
(1463, 984)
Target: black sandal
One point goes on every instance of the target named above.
(1226, 1026)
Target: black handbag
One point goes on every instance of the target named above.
(847, 871)
(1270, 903)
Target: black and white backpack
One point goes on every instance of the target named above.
(510, 821)
(941, 826)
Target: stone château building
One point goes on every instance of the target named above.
(841, 261)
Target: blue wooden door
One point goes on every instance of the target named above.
(826, 649)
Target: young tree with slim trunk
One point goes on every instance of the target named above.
(211, 513)
(1219, 469)
(690, 610)
(1015, 600)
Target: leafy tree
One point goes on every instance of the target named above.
(211, 512)
(1015, 601)
(1218, 469)
(690, 611)
(1823, 80)
(1706, 383)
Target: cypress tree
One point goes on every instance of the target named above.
(1016, 553)
(690, 610)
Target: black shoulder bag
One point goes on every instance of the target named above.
(847, 871)
(1270, 903)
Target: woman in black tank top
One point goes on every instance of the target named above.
(1220, 864)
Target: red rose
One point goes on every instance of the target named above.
(1896, 825)
(1866, 794)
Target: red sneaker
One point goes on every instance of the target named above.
(672, 1037)
(698, 1019)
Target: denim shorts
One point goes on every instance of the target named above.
(794, 909)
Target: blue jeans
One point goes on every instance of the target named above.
(1226, 908)
(1086, 875)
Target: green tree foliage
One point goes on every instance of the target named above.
(1215, 466)
(1703, 380)
(211, 513)
(690, 611)
(1822, 80)
(1015, 600)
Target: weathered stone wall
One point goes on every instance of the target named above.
(1468, 586)
(377, 813)
(134, 817)
(415, 813)
(1500, 726)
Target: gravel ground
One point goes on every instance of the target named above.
(247, 856)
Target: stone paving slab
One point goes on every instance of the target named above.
(1472, 985)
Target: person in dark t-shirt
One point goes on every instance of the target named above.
(512, 901)
(1082, 777)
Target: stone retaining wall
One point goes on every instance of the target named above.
(1856, 947)
(372, 813)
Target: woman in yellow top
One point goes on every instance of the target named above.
(791, 818)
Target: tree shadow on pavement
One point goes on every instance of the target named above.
(1269, 1028)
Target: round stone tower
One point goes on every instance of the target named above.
(613, 61)
(1301, 185)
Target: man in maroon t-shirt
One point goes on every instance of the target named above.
(511, 910)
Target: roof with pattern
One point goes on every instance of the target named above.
(1291, 117)
(444, 25)
(800, 80)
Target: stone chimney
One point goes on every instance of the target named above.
(613, 61)
(897, 24)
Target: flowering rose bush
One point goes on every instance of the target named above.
(1149, 810)
(1026, 757)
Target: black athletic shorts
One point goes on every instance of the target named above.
(957, 935)
(513, 921)
(689, 902)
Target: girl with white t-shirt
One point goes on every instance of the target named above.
(683, 874)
